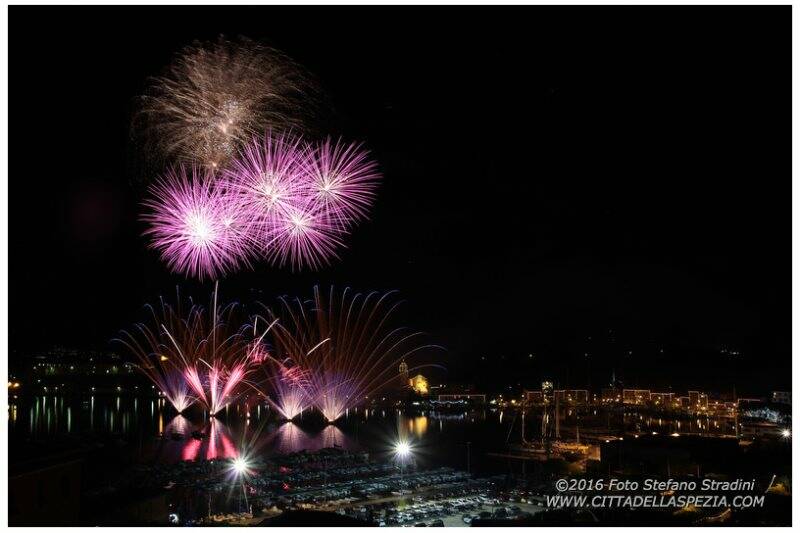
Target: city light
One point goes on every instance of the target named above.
(240, 466)
(402, 449)
(786, 433)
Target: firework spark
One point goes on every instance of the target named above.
(216, 95)
(198, 231)
(345, 345)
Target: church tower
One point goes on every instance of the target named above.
(403, 372)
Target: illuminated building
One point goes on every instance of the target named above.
(547, 391)
(703, 400)
(534, 397)
(698, 400)
(662, 399)
(403, 369)
(572, 396)
(635, 396)
(782, 397)
(419, 384)
(471, 397)
(610, 395)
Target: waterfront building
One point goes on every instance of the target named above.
(662, 399)
(533, 397)
(419, 384)
(635, 396)
(470, 397)
(783, 397)
(698, 401)
(403, 370)
(610, 395)
(572, 396)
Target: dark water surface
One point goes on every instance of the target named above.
(155, 432)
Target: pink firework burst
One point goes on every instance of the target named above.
(286, 387)
(198, 230)
(218, 357)
(272, 181)
(343, 180)
(301, 198)
(305, 237)
(267, 180)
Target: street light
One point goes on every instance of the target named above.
(786, 433)
(402, 452)
(240, 466)
(402, 449)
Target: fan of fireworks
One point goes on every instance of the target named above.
(216, 95)
(285, 385)
(154, 347)
(198, 231)
(345, 344)
(290, 389)
(220, 357)
(209, 353)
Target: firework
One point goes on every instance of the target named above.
(343, 180)
(285, 385)
(219, 356)
(198, 231)
(267, 179)
(306, 237)
(207, 354)
(290, 390)
(302, 199)
(273, 180)
(216, 95)
(345, 345)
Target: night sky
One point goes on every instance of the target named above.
(558, 181)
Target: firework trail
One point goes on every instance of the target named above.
(198, 231)
(154, 349)
(216, 95)
(345, 344)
